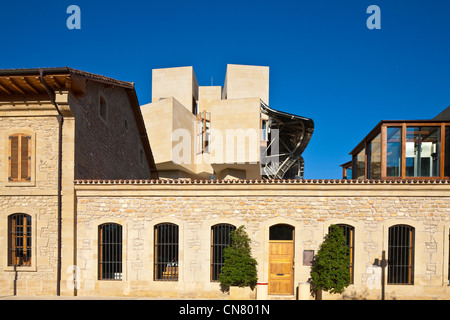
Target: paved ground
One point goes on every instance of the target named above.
(79, 298)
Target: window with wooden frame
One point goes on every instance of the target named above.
(422, 151)
(374, 158)
(401, 255)
(446, 151)
(349, 234)
(359, 163)
(394, 151)
(110, 252)
(166, 252)
(19, 240)
(411, 149)
(347, 170)
(220, 239)
(19, 158)
(203, 132)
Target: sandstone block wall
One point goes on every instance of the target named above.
(40, 277)
(37, 198)
(44, 146)
(196, 208)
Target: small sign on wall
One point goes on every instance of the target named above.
(308, 257)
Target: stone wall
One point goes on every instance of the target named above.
(44, 160)
(37, 197)
(195, 207)
(309, 207)
(40, 277)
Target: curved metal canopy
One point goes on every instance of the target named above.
(289, 135)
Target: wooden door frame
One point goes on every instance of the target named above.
(293, 264)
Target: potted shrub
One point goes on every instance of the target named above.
(330, 269)
(238, 274)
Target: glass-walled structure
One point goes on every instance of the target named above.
(402, 150)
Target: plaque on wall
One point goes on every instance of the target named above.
(308, 257)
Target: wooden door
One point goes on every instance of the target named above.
(281, 267)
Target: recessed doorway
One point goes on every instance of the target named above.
(281, 260)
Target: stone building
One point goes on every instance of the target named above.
(58, 125)
(84, 212)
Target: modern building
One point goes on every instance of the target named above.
(229, 132)
(84, 210)
(404, 149)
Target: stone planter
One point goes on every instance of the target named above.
(238, 293)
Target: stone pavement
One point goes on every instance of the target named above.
(61, 298)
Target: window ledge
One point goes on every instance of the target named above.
(20, 269)
(20, 184)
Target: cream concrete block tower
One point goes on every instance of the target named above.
(231, 114)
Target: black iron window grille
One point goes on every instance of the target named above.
(401, 255)
(19, 240)
(220, 239)
(349, 234)
(110, 252)
(166, 252)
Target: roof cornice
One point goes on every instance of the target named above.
(261, 182)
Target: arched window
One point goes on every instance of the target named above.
(220, 239)
(281, 232)
(349, 234)
(19, 158)
(166, 252)
(401, 255)
(110, 251)
(19, 240)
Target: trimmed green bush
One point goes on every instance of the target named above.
(239, 266)
(331, 266)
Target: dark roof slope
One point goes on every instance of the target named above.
(25, 84)
(444, 115)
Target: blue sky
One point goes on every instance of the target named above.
(325, 63)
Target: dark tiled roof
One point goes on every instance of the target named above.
(93, 76)
(20, 84)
